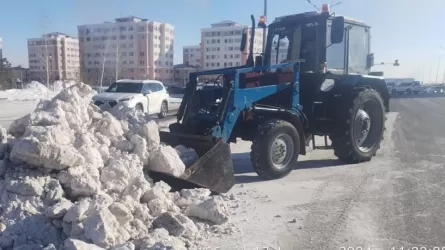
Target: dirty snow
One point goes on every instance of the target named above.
(72, 176)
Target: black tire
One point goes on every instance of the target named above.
(343, 140)
(164, 110)
(269, 132)
(139, 108)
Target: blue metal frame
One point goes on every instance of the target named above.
(243, 99)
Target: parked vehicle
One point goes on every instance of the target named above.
(148, 96)
(390, 86)
(417, 88)
(176, 89)
(403, 88)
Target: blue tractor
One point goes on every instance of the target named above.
(312, 79)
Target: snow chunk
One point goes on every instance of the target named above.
(165, 159)
(59, 209)
(213, 209)
(124, 246)
(104, 230)
(187, 155)
(151, 133)
(169, 222)
(73, 244)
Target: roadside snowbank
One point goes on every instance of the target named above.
(34, 91)
(72, 177)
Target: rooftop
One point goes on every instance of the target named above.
(225, 23)
(183, 66)
(130, 19)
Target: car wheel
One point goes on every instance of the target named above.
(139, 108)
(164, 110)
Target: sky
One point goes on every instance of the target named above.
(412, 32)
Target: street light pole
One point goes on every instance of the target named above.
(264, 29)
(437, 72)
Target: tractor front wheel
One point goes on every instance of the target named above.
(275, 149)
(360, 131)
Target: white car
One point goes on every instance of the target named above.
(143, 95)
(407, 88)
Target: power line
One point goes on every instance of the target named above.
(335, 4)
(315, 6)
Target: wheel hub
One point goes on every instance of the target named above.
(281, 151)
(363, 126)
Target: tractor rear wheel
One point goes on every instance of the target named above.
(360, 130)
(275, 149)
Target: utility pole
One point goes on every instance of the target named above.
(437, 72)
(429, 78)
(264, 29)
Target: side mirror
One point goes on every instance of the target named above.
(242, 46)
(370, 60)
(337, 30)
(147, 92)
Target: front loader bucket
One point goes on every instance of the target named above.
(213, 170)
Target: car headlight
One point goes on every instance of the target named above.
(125, 99)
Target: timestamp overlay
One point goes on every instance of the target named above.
(419, 248)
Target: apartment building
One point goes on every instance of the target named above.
(54, 56)
(191, 55)
(282, 52)
(130, 47)
(182, 73)
(1, 48)
(220, 45)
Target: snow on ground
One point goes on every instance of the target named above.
(34, 91)
(73, 177)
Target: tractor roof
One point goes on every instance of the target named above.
(314, 15)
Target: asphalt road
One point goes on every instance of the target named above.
(396, 201)
(412, 213)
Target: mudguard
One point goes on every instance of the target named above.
(374, 82)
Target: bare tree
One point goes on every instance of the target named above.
(118, 63)
(104, 60)
(6, 80)
(45, 57)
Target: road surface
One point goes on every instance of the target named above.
(396, 201)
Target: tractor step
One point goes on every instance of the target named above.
(326, 146)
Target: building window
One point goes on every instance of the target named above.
(142, 53)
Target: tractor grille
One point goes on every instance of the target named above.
(100, 103)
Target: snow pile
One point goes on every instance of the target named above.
(34, 91)
(59, 85)
(71, 177)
